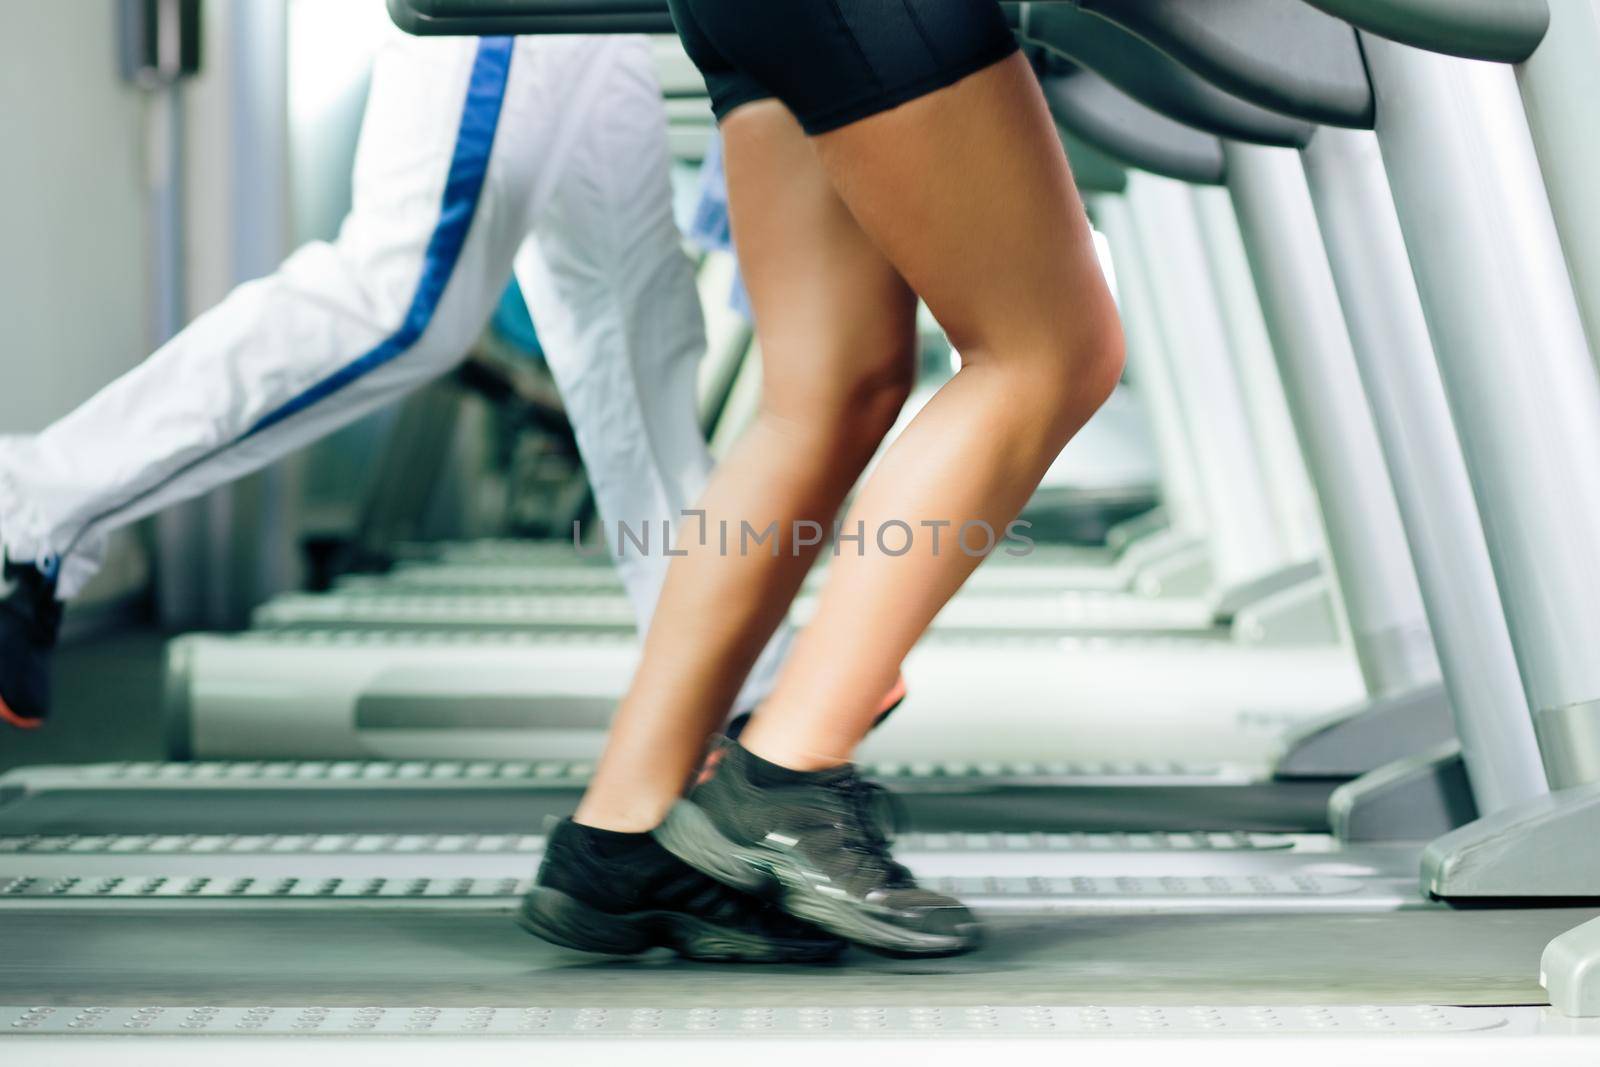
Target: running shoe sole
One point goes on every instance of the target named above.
(558, 918)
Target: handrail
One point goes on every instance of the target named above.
(1503, 31)
(1155, 79)
(1118, 125)
(1281, 54)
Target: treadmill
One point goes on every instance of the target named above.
(1407, 715)
(422, 947)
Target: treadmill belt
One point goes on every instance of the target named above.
(1266, 807)
(352, 957)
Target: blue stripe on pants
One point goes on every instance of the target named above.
(470, 163)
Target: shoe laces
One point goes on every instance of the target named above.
(862, 831)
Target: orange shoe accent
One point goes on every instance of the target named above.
(16, 720)
(893, 697)
(710, 765)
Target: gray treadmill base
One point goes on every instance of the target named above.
(1413, 799)
(469, 959)
(1353, 741)
(1570, 971)
(1543, 848)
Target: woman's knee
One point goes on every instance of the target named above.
(1067, 366)
(1096, 355)
(872, 360)
(851, 411)
(874, 399)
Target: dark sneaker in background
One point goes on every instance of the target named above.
(623, 894)
(812, 841)
(30, 620)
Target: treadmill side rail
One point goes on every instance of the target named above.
(1411, 799)
(1545, 847)
(1303, 614)
(1233, 599)
(1570, 971)
(1353, 741)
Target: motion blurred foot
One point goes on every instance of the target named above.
(30, 620)
(811, 840)
(623, 894)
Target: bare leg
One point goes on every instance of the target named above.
(967, 191)
(836, 325)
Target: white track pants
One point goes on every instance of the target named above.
(546, 155)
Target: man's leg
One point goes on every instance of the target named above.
(440, 206)
(607, 281)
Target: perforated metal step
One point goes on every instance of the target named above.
(163, 887)
(29, 889)
(930, 1022)
(381, 638)
(492, 608)
(567, 774)
(532, 844)
(402, 610)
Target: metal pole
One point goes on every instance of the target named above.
(1517, 371)
(1388, 624)
(1299, 517)
(1150, 369)
(1560, 86)
(1244, 542)
(1395, 357)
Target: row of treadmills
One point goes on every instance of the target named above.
(1306, 762)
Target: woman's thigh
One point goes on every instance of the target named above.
(833, 314)
(967, 192)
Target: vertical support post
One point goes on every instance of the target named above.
(1299, 517)
(1244, 542)
(1517, 371)
(1371, 560)
(1394, 354)
(1151, 368)
(1560, 83)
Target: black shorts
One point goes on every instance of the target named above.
(833, 62)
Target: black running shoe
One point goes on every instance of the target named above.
(812, 841)
(622, 894)
(30, 619)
